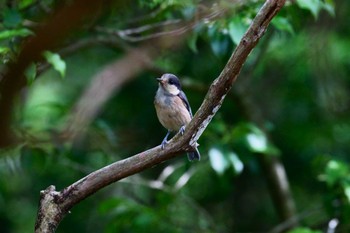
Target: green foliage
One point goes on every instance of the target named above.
(315, 6)
(30, 73)
(303, 230)
(294, 105)
(221, 161)
(282, 24)
(55, 60)
(237, 28)
(8, 34)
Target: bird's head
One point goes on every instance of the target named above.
(170, 83)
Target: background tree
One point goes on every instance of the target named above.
(292, 102)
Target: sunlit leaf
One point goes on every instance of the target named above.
(328, 5)
(282, 24)
(314, 6)
(237, 29)
(219, 42)
(55, 60)
(25, 3)
(335, 171)
(303, 230)
(237, 164)
(257, 142)
(4, 50)
(217, 160)
(23, 32)
(347, 191)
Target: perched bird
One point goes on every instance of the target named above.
(173, 110)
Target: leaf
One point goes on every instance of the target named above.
(217, 160)
(237, 164)
(335, 171)
(24, 3)
(303, 230)
(4, 50)
(346, 188)
(55, 60)
(11, 18)
(221, 160)
(237, 29)
(282, 24)
(219, 42)
(328, 5)
(314, 6)
(257, 142)
(23, 32)
(255, 139)
(30, 73)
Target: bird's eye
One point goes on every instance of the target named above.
(171, 82)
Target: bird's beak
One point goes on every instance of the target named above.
(160, 80)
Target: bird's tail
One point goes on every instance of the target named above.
(194, 155)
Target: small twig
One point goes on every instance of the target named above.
(332, 225)
(129, 34)
(289, 223)
(148, 27)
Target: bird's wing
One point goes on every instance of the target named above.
(185, 101)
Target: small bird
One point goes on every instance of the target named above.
(173, 110)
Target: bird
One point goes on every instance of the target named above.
(173, 109)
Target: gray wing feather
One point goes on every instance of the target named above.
(185, 101)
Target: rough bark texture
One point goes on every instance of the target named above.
(54, 205)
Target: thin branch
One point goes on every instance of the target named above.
(131, 34)
(55, 205)
(149, 27)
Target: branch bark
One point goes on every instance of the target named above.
(54, 205)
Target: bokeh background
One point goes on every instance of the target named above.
(275, 157)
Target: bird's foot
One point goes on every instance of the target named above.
(182, 130)
(164, 142)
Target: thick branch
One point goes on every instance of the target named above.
(90, 184)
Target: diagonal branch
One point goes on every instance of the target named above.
(54, 205)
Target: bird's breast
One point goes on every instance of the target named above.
(171, 112)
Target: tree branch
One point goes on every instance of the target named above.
(52, 211)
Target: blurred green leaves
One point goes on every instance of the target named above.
(337, 175)
(336, 171)
(57, 63)
(236, 29)
(303, 230)
(7, 34)
(222, 160)
(282, 24)
(30, 73)
(255, 139)
(315, 6)
(11, 18)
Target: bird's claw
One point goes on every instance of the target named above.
(182, 130)
(164, 142)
